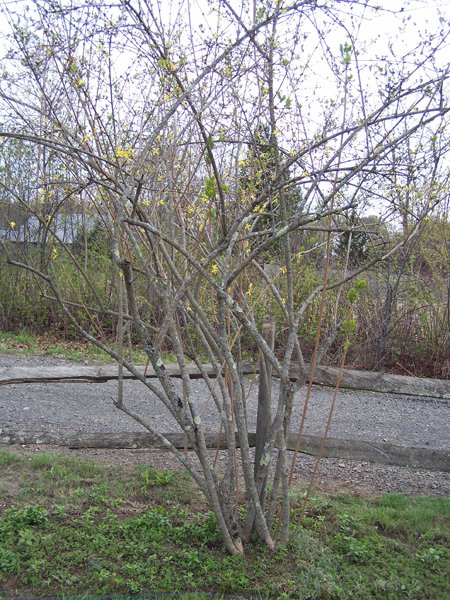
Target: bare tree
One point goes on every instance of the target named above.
(149, 116)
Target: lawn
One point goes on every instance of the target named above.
(70, 527)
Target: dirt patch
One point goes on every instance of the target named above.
(9, 488)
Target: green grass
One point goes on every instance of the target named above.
(17, 342)
(78, 351)
(71, 527)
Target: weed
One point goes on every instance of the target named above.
(55, 351)
(21, 342)
(152, 477)
(8, 562)
(431, 556)
(26, 338)
(26, 515)
(59, 510)
(25, 537)
(8, 458)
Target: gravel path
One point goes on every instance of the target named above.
(403, 420)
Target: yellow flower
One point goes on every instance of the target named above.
(12, 224)
(214, 268)
(54, 253)
(125, 153)
(259, 208)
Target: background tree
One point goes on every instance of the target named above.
(353, 244)
(258, 174)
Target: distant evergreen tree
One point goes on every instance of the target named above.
(258, 178)
(358, 240)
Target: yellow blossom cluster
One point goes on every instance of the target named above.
(125, 153)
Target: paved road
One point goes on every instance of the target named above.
(403, 420)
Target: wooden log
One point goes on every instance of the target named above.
(384, 453)
(94, 374)
(354, 380)
(378, 382)
(367, 451)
